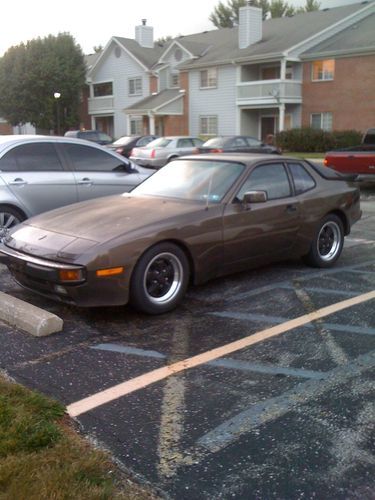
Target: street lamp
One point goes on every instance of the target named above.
(57, 96)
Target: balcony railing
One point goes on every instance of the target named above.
(269, 92)
(100, 104)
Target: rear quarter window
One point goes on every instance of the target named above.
(301, 178)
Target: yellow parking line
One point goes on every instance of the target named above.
(119, 390)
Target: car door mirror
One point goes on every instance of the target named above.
(127, 167)
(251, 197)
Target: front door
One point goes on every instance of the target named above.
(262, 229)
(268, 126)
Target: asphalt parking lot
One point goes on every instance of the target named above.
(226, 397)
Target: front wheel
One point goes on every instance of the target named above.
(328, 242)
(160, 279)
(9, 217)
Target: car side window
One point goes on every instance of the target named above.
(271, 178)
(35, 157)
(238, 141)
(302, 179)
(143, 141)
(185, 143)
(90, 159)
(8, 162)
(253, 142)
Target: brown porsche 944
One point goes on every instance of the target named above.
(197, 218)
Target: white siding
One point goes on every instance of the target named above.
(119, 70)
(219, 101)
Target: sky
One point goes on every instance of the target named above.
(93, 24)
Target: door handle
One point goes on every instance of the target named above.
(291, 208)
(18, 182)
(86, 181)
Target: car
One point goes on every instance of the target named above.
(90, 135)
(237, 144)
(125, 144)
(198, 218)
(39, 173)
(161, 151)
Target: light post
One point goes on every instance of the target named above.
(57, 96)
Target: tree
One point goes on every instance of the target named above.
(279, 8)
(227, 16)
(310, 6)
(31, 73)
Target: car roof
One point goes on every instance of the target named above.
(9, 140)
(240, 157)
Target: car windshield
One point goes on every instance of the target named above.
(197, 180)
(162, 142)
(123, 141)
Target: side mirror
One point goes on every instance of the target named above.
(251, 197)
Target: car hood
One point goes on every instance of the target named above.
(75, 229)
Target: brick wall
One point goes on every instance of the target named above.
(5, 129)
(179, 125)
(350, 96)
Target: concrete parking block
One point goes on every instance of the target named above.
(27, 317)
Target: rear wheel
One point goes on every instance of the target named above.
(9, 217)
(328, 242)
(160, 279)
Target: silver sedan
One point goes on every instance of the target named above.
(161, 151)
(40, 173)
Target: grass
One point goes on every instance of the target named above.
(41, 456)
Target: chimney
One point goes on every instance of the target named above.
(250, 25)
(144, 35)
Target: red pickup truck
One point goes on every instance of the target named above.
(358, 160)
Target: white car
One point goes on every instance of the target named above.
(40, 173)
(161, 151)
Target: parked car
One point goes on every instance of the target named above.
(237, 144)
(161, 151)
(41, 173)
(358, 160)
(197, 218)
(90, 135)
(125, 144)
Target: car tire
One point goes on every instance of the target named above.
(327, 243)
(9, 217)
(160, 279)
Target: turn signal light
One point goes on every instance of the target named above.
(325, 162)
(70, 275)
(109, 272)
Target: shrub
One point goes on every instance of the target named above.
(316, 140)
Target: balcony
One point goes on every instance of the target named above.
(269, 92)
(100, 105)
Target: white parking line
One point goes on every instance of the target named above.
(124, 388)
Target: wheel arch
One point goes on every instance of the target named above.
(179, 244)
(342, 216)
(14, 207)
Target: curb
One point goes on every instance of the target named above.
(27, 317)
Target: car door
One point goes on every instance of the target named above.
(263, 229)
(98, 172)
(35, 175)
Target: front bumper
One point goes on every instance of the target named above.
(42, 276)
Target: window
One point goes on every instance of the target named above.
(136, 126)
(90, 159)
(208, 125)
(252, 142)
(209, 78)
(271, 178)
(185, 143)
(175, 80)
(323, 70)
(302, 179)
(135, 86)
(103, 89)
(321, 121)
(36, 157)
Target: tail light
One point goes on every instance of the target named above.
(119, 150)
(216, 150)
(195, 151)
(152, 155)
(325, 162)
(132, 152)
